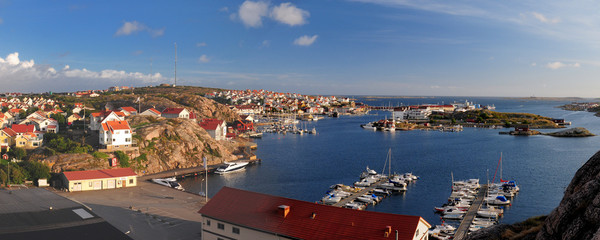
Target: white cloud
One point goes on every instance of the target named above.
(543, 18)
(129, 28)
(204, 59)
(557, 65)
(224, 9)
(289, 14)
(201, 44)
(251, 13)
(533, 64)
(305, 40)
(26, 76)
(265, 43)
(1, 21)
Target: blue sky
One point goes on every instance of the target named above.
(340, 47)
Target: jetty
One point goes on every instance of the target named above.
(360, 193)
(463, 228)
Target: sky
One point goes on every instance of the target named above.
(319, 47)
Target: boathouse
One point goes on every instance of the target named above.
(99, 179)
(239, 214)
(522, 128)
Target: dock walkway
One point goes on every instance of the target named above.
(358, 194)
(463, 228)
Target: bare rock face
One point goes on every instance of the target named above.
(201, 106)
(178, 143)
(578, 215)
(74, 162)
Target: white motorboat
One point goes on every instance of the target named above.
(369, 126)
(169, 182)
(497, 200)
(331, 199)
(231, 167)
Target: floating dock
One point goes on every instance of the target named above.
(358, 194)
(463, 228)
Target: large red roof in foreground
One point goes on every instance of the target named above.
(98, 174)
(260, 211)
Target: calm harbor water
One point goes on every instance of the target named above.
(304, 166)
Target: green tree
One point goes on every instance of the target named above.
(123, 158)
(17, 153)
(36, 170)
(59, 118)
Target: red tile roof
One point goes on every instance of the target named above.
(98, 174)
(172, 110)
(115, 125)
(210, 124)
(260, 211)
(22, 128)
(129, 109)
(10, 132)
(154, 111)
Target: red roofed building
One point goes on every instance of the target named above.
(99, 179)
(129, 111)
(151, 112)
(21, 129)
(215, 127)
(114, 135)
(239, 214)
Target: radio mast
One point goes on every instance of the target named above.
(175, 65)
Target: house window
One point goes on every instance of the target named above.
(207, 222)
(90, 184)
(221, 226)
(235, 230)
(130, 181)
(127, 139)
(126, 131)
(114, 140)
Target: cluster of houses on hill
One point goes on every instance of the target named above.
(422, 112)
(114, 131)
(248, 102)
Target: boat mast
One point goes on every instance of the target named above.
(500, 167)
(390, 165)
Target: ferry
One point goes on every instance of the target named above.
(231, 167)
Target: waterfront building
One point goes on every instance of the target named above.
(217, 129)
(239, 214)
(99, 179)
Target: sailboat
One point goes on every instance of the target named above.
(506, 188)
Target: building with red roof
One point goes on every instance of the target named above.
(128, 111)
(239, 214)
(115, 135)
(99, 179)
(215, 127)
(151, 112)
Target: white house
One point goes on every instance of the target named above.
(216, 128)
(115, 135)
(151, 112)
(176, 113)
(96, 119)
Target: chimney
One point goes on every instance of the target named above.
(283, 210)
(388, 231)
(314, 215)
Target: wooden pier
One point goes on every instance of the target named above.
(463, 228)
(358, 194)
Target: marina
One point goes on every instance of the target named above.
(304, 166)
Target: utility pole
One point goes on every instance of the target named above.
(175, 65)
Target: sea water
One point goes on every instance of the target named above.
(304, 166)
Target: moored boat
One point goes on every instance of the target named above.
(169, 182)
(231, 167)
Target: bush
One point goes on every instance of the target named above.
(36, 170)
(17, 153)
(100, 155)
(123, 158)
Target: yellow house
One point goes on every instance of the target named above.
(99, 179)
(7, 138)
